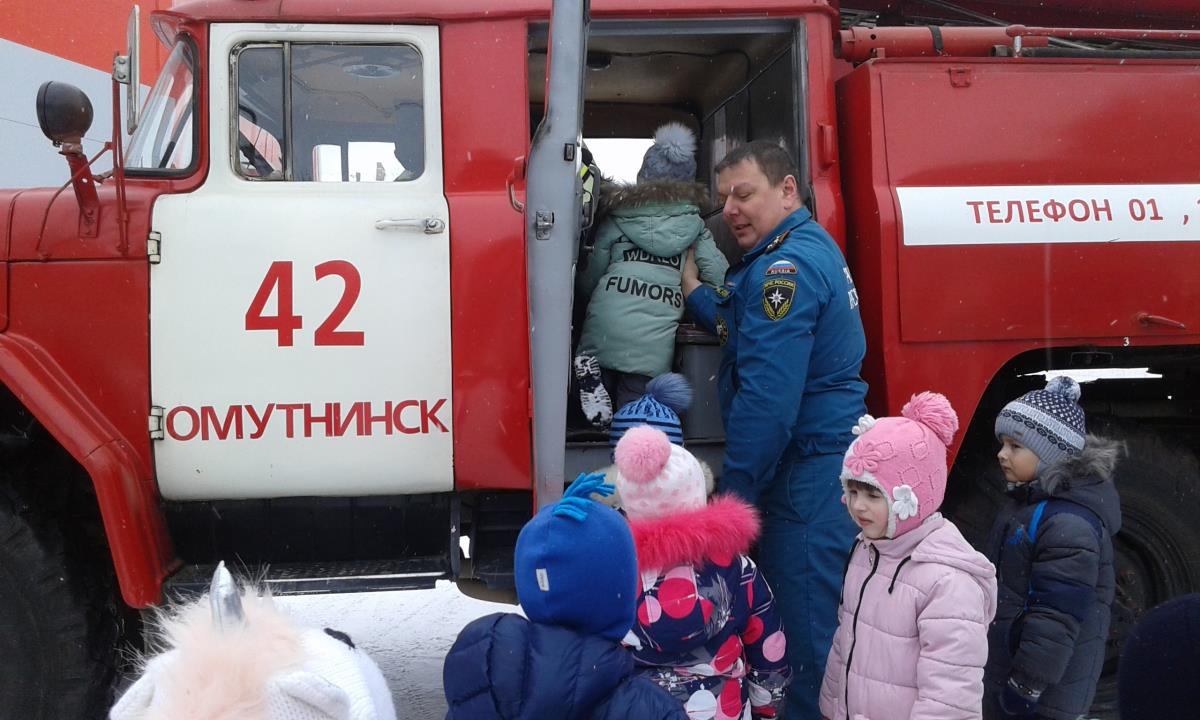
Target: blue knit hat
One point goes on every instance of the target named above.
(1049, 422)
(666, 396)
(576, 566)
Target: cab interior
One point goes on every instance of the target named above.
(731, 82)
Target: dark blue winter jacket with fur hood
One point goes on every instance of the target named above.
(1052, 546)
(504, 667)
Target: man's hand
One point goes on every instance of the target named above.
(690, 275)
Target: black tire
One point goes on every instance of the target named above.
(57, 641)
(1157, 551)
(974, 493)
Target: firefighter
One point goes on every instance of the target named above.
(792, 342)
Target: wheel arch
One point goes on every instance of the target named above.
(134, 526)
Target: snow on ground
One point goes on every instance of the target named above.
(407, 632)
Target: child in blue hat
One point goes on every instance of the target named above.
(577, 581)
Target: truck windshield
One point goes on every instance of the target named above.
(164, 137)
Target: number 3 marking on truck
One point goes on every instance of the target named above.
(285, 323)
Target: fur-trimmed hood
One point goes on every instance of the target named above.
(616, 197)
(1086, 480)
(1098, 459)
(724, 528)
(662, 218)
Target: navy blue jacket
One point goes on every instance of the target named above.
(505, 667)
(1054, 567)
(792, 345)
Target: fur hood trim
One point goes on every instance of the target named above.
(659, 192)
(1098, 459)
(717, 532)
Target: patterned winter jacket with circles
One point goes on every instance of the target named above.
(1056, 590)
(707, 624)
(911, 641)
(632, 278)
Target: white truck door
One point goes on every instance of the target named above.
(300, 312)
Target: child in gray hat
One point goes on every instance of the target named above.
(633, 275)
(1052, 547)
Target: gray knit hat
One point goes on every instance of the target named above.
(671, 157)
(1049, 422)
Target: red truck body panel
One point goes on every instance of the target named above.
(1017, 123)
(483, 136)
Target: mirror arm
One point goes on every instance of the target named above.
(84, 184)
(118, 170)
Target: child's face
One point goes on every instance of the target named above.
(869, 508)
(1017, 461)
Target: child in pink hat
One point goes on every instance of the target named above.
(917, 599)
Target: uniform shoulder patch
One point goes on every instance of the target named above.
(777, 297)
(722, 292)
(776, 241)
(722, 331)
(781, 267)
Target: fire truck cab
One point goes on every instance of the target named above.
(319, 316)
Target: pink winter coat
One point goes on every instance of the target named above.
(911, 641)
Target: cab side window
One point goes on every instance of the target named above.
(329, 112)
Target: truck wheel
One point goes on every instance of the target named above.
(57, 664)
(1157, 552)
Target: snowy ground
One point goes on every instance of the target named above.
(407, 632)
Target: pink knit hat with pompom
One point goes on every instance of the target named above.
(905, 457)
(656, 478)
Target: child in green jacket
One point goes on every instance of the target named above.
(633, 275)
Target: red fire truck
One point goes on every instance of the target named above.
(319, 315)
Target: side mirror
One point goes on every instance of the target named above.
(127, 69)
(64, 112)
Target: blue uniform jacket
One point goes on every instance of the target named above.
(504, 667)
(792, 340)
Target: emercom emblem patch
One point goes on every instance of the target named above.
(722, 331)
(777, 297)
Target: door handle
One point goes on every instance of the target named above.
(1145, 319)
(430, 225)
(517, 174)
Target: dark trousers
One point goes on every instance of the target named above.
(622, 387)
(806, 536)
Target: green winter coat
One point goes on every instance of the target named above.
(632, 278)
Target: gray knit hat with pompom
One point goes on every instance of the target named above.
(1049, 422)
(671, 157)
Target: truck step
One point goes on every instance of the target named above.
(494, 566)
(318, 578)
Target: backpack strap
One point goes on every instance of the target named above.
(1048, 508)
(1045, 510)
